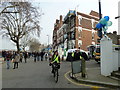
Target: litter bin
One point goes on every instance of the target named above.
(76, 67)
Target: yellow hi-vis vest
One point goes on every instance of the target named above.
(56, 59)
(73, 56)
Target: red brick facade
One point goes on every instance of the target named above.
(79, 30)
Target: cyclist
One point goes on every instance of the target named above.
(55, 60)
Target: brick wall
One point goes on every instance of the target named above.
(86, 24)
(86, 39)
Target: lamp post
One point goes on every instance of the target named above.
(100, 16)
(117, 17)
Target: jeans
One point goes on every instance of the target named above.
(8, 64)
(38, 58)
(15, 65)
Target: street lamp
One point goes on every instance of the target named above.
(117, 17)
(118, 23)
(100, 16)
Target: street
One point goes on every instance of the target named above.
(36, 75)
(30, 31)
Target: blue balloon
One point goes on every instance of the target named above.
(99, 25)
(107, 18)
(109, 23)
(103, 21)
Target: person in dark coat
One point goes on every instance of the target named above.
(69, 57)
(38, 56)
(77, 55)
(25, 57)
(42, 54)
(35, 56)
(84, 55)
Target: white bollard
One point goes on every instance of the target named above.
(106, 56)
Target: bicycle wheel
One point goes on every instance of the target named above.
(56, 75)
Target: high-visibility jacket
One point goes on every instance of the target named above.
(56, 59)
(73, 55)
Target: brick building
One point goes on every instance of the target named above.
(75, 30)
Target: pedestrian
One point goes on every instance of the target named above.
(35, 56)
(42, 54)
(8, 58)
(38, 56)
(77, 55)
(83, 57)
(21, 56)
(25, 57)
(16, 60)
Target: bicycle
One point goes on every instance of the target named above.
(56, 73)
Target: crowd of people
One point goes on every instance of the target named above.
(16, 58)
(53, 57)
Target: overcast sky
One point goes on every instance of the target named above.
(52, 9)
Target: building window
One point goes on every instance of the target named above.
(65, 36)
(72, 35)
(93, 36)
(79, 21)
(80, 34)
(79, 43)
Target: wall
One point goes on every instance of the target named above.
(6, 44)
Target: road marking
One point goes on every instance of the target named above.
(94, 87)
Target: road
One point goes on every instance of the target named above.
(37, 75)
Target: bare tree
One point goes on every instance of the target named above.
(19, 20)
(25, 41)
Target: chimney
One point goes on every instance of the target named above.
(61, 20)
(57, 21)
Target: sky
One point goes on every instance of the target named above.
(52, 9)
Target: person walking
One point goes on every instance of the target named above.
(25, 56)
(16, 60)
(21, 57)
(42, 54)
(35, 56)
(38, 56)
(8, 58)
(79, 55)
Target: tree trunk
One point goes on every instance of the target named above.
(23, 48)
(18, 47)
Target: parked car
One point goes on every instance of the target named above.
(97, 53)
(91, 49)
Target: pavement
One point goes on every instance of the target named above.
(94, 77)
(36, 75)
(1, 60)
